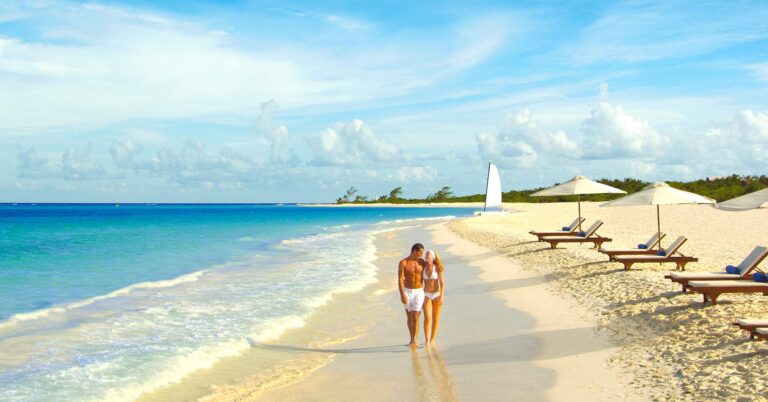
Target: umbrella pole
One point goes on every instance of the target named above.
(578, 201)
(658, 224)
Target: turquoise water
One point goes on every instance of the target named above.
(106, 302)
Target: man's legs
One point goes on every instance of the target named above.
(413, 326)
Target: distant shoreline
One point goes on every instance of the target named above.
(385, 204)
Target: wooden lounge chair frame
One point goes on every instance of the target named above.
(680, 259)
(589, 237)
(573, 232)
(749, 264)
(636, 251)
(751, 328)
(711, 293)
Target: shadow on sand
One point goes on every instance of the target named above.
(542, 345)
(503, 285)
(402, 348)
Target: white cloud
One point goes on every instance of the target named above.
(124, 150)
(751, 126)
(194, 165)
(123, 63)
(75, 164)
(760, 71)
(348, 144)
(685, 172)
(523, 125)
(31, 165)
(276, 135)
(522, 140)
(506, 151)
(758, 154)
(610, 133)
(714, 132)
(560, 144)
(642, 169)
(347, 23)
(416, 174)
(662, 30)
(733, 146)
(603, 91)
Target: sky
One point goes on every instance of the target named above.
(269, 101)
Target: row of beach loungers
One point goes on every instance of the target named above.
(745, 277)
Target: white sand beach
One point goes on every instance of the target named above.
(676, 347)
(524, 322)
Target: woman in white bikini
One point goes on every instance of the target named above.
(434, 293)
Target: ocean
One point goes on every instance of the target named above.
(106, 302)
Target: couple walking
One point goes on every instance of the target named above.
(422, 288)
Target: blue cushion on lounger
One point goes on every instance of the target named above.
(566, 229)
(760, 277)
(732, 270)
(583, 234)
(661, 253)
(642, 246)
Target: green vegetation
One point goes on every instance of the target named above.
(721, 189)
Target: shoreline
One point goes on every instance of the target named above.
(392, 205)
(566, 318)
(265, 365)
(491, 345)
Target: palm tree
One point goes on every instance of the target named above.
(395, 193)
(441, 194)
(349, 196)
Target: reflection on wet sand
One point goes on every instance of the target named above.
(418, 375)
(438, 385)
(442, 378)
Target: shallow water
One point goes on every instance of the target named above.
(105, 302)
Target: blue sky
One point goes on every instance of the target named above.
(245, 101)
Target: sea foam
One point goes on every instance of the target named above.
(145, 336)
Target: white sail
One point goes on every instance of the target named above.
(493, 189)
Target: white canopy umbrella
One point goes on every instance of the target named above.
(659, 194)
(577, 186)
(757, 199)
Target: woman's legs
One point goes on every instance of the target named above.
(427, 310)
(435, 313)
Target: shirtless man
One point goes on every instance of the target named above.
(411, 283)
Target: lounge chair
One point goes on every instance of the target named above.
(711, 290)
(642, 248)
(761, 333)
(751, 325)
(569, 230)
(582, 237)
(662, 256)
(743, 271)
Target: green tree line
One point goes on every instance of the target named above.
(720, 189)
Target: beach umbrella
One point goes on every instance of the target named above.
(757, 199)
(577, 186)
(659, 194)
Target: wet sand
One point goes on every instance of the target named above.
(487, 348)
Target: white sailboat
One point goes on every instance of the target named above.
(492, 192)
